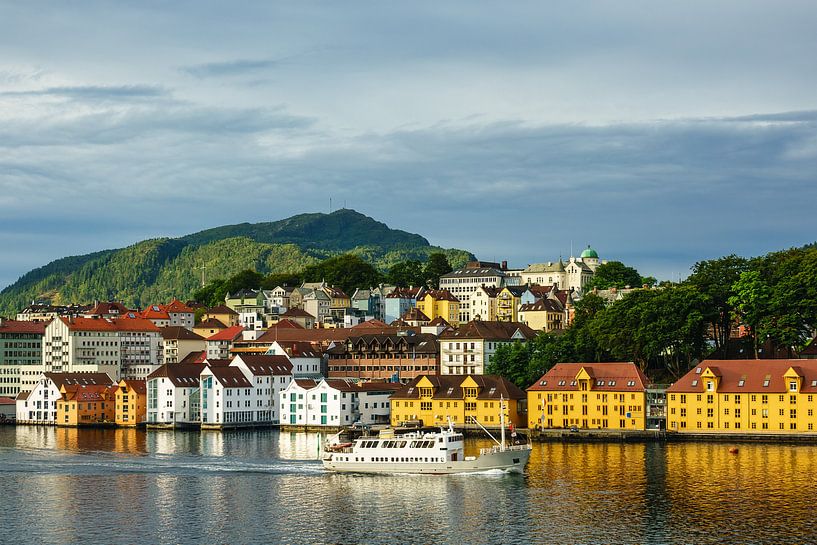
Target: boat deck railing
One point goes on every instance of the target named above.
(497, 448)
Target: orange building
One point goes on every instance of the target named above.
(86, 404)
(131, 403)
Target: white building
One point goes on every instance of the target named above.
(331, 403)
(466, 280)
(179, 342)
(173, 395)
(140, 346)
(269, 375)
(220, 344)
(39, 406)
(82, 345)
(306, 360)
(575, 274)
(469, 349)
(180, 314)
(373, 402)
(228, 398)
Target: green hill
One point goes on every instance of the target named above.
(159, 269)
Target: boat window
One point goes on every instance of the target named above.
(403, 444)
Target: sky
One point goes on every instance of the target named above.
(659, 133)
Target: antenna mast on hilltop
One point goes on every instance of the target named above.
(330, 205)
(203, 269)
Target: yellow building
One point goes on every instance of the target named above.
(545, 315)
(507, 303)
(131, 403)
(434, 303)
(337, 297)
(745, 396)
(433, 399)
(589, 395)
(84, 405)
(224, 314)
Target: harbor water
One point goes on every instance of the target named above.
(61, 485)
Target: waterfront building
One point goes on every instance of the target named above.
(589, 396)
(432, 400)
(745, 397)
(131, 403)
(294, 407)
(39, 406)
(21, 353)
(81, 345)
(469, 349)
(269, 376)
(439, 303)
(374, 402)
(227, 398)
(394, 357)
(86, 404)
(178, 342)
(221, 343)
(173, 395)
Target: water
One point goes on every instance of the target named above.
(128, 486)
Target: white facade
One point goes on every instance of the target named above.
(331, 404)
(306, 364)
(40, 406)
(229, 398)
(140, 352)
(173, 401)
(374, 406)
(269, 380)
(69, 350)
(465, 281)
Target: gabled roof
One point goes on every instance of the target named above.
(195, 357)
(450, 387)
(369, 324)
(230, 377)
(110, 308)
(440, 295)
(439, 321)
(229, 334)
(305, 383)
(414, 315)
(340, 385)
(133, 322)
(155, 312)
(181, 375)
(180, 333)
(88, 324)
(86, 379)
(89, 392)
(138, 386)
(177, 307)
(296, 349)
(222, 309)
(22, 396)
(749, 376)
(264, 365)
(210, 323)
(493, 331)
(296, 313)
(22, 326)
(516, 291)
(542, 305)
(609, 377)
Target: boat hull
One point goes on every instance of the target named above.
(510, 461)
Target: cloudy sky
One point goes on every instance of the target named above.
(660, 133)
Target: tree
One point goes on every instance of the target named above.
(614, 274)
(406, 273)
(512, 361)
(714, 279)
(750, 302)
(272, 281)
(436, 266)
(346, 271)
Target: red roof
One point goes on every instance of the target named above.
(229, 334)
(88, 324)
(745, 376)
(22, 326)
(155, 312)
(127, 323)
(138, 386)
(296, 313)
(369, 324)
(607, 377)
(286, 324)
(177, 307)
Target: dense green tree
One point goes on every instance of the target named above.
(345, 271)
(436, 266)
(272, 281)
(714, 278)
(615, 274)
(512, 361)
(406, 273)
(750, 302)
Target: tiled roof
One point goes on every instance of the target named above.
(295, 349)
(138, 386)
(441, 295)
(63, 379)
(180, 333)
(286, 324)
(229, 334)
(368, 324)
(305, 383)
(450, 387)
(132, 322)
(7, 401)
(22, 326)
(550, 305)
(109, 307)
(180, 374)
(89, 393)
(155, 312)
(267, 364)
(485, 330)
(210, 323)
(222, 309)
(177, 307)
(230, 377)
(439, 321)
(607, 377)
(414, 314)
(296, 313)
(88, 324)
(744, 376)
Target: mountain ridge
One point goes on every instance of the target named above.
(159, 268)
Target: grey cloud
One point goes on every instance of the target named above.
(93, 92)
(237, 67)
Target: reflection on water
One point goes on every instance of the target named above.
(66, 485)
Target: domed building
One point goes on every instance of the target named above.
(575, 274)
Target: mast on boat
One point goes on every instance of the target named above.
(502, 421)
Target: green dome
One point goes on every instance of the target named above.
(589, 252)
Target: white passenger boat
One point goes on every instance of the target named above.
(439, 452)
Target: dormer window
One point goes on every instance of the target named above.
(572, 382)
(599, 383)
(710, 386)
(793, 386)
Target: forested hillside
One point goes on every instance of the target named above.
(159, 269)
